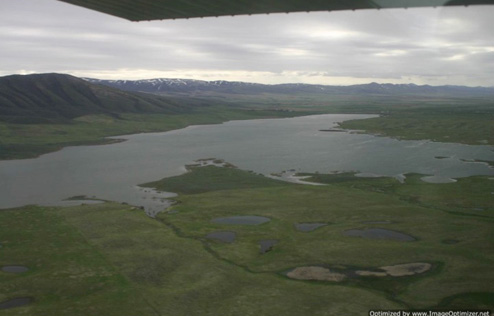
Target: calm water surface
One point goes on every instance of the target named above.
(15, 269)
(112, 172)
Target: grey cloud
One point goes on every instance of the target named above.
(48, 35)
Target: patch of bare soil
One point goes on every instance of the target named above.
(315, 273)
(398, 270)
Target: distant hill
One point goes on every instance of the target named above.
(58, 97)
(164, 86)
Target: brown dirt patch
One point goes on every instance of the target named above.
(398, 270)
(315, 273)
(407, 269)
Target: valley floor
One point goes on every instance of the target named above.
(111, 259)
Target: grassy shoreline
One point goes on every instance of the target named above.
(470, 129)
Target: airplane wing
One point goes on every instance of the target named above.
(142, 10)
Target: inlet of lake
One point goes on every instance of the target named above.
(112, 172)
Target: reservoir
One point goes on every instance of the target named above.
(112, 172)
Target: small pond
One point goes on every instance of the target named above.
(267, 245)
(227, 237)
(15, 269)
(379, 233)
(16, 302)
(241, 220)
(308, 227)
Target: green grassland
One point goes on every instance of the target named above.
(111, 259)
(67, 276)
(211, 178)
(441, 118)
(466, 122)
(470, 196)
(349, 204)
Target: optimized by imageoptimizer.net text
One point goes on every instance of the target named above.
(430, 313)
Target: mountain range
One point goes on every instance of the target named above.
(166, 86)
(59, 97)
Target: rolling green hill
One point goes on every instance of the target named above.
(57, 97)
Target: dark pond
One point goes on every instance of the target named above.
(241, 220)
(267, 245)
(227, 237)
(15, 269)
(378, 233)
(16, 302)
(308, 227)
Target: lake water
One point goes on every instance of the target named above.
(112, 172)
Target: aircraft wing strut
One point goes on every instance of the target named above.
(142, 10)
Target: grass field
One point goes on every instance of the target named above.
(451, 232)
(111, 259)
(467, 122)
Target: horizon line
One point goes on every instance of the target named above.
(249, 82)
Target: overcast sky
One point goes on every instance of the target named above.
(423, 46)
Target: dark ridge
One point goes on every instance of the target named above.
(164, 86)
(47, 98)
